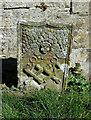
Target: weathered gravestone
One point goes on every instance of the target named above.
(43, 54)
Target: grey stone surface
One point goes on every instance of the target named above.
(11, 12)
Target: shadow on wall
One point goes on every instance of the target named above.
(9, 72)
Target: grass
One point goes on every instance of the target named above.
(47, 103)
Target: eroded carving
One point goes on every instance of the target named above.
(41, 72)
(45, 54)
(42, 40)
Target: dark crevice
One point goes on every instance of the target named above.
(26, 73)
(57, 66)
(9, 72)
(42, 6)
(45, 73)
(71, 10)
(16, 8)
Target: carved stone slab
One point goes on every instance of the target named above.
(43, 54)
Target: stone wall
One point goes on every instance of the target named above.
(57, 11)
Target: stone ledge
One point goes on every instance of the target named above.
(12, 5)
(27, 5)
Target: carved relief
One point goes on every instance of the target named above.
(42, 40)
(45, 51)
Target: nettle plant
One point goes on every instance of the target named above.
(76, 81)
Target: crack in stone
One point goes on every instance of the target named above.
(71, 9)
(16, 8)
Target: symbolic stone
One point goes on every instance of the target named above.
(42, 43)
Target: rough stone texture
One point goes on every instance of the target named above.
(78, 7)
(12, 11)
(11, 17)
(43, 54)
